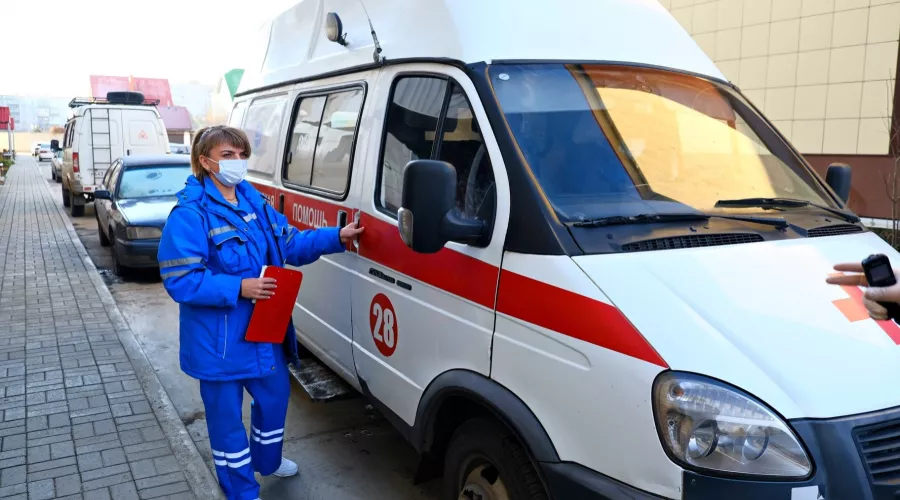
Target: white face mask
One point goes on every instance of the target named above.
(231, 172)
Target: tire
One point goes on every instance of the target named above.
(486, 461)
(66, 197)
(59, 179)
(104, 241)
(117, 268)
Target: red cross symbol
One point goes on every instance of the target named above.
(853, 309)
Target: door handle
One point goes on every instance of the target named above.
(356, 218)
(128, 152)
(281, 203)
(342, 218)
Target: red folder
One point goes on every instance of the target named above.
(270, 318)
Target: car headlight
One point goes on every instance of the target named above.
(706, 424)
(143, 233)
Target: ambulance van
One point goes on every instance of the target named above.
(591, 268)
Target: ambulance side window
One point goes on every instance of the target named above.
(412, 119)
(463, 147)
(320, 153)
(418, 106)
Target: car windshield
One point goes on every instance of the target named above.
(152, 181)
(610, 140)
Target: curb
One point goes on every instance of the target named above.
(203, 484)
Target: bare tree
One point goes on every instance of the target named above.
(892, 178)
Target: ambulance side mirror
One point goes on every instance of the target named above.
(838, 179)
(428, 214)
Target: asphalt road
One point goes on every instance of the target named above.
(344, 449)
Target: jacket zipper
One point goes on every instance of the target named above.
(224, 351)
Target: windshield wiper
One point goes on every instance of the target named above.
(767, 203)
(620, 220)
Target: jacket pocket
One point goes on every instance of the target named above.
(232, 253)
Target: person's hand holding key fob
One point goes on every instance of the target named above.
(882, 295)
(880, 278)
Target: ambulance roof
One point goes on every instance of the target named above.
(293, 46)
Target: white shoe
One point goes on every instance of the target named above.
(287, 469)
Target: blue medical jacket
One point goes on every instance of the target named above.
(208, 247)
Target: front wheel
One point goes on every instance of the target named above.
(104, 241)
(117, 268)
(486, 461)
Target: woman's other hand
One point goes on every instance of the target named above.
(351, 232)
(258, 288)
(872, 295)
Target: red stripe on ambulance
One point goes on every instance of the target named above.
(472, 279)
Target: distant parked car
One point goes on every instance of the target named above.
(44, 152)
(133, 203)
(179, 149)
(56, 165)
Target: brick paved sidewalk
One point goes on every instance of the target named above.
(76, 421)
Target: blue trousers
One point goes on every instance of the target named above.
(235, 456)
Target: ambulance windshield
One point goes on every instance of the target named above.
(600, 137)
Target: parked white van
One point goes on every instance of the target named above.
(591, 268)
(97, 133)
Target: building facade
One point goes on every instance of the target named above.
(823, 71)
(36, 113)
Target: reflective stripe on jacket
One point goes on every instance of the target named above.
(208, 247)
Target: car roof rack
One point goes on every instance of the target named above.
(86, 101)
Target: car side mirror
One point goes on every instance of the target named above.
(428, 214)
(102, 194)
(838, 179)
(54, 145)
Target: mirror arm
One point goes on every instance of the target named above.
(461, 230)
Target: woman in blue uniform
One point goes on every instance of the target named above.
(215, 243)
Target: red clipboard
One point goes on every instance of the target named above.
(270, 318)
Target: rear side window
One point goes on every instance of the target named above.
(320, 148)
(237, 115)
(431, 118)
(262, 125)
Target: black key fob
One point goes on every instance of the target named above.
(879, 273)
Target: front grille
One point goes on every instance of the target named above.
(693, 241)
(834, 230)
(880, 448)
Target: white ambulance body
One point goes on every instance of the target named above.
(591, 269)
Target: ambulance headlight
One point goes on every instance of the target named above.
(706, 425)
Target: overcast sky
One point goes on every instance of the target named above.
(53, 46)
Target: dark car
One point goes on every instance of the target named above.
(133, 203)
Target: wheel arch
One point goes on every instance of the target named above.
(458, 395)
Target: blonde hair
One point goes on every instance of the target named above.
(208, 138)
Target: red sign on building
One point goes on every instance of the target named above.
(6, 121)
(152, 88)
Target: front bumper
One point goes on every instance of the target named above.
(138, 253)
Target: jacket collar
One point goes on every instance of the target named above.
(208, 196)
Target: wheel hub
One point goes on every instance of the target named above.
(484, 483)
